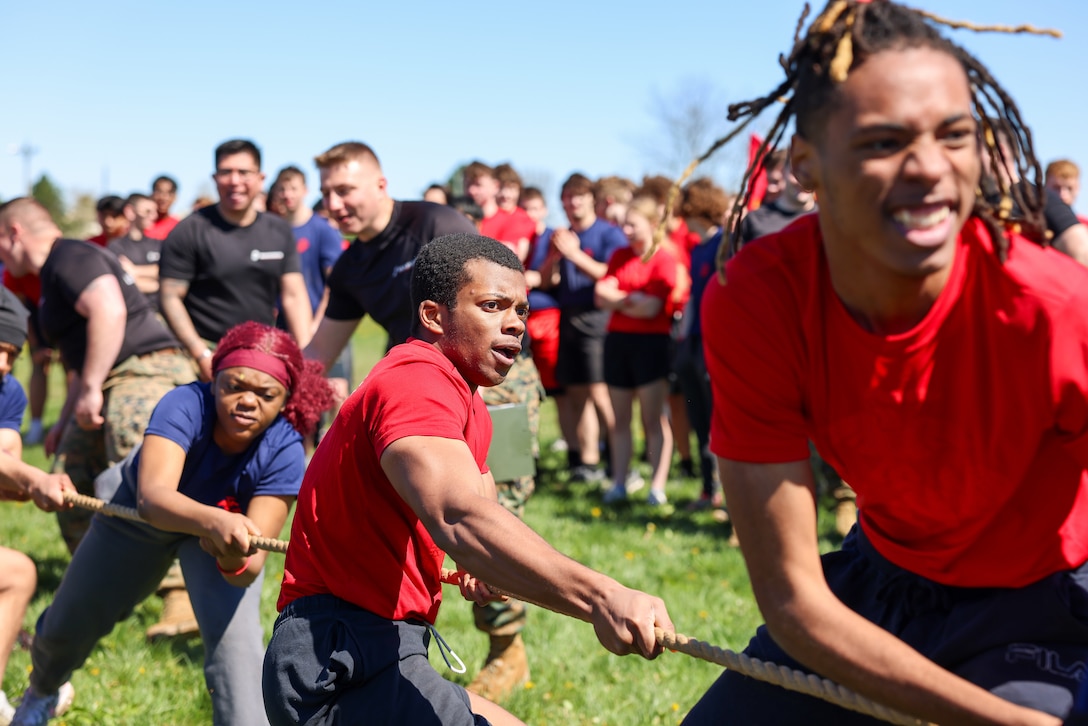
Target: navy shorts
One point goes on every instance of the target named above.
(581, 347)
(330, 662)
(633, 360)
(1028, 645)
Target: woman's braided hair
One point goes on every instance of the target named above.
(842, 37)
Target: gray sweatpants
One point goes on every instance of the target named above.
(116, 566)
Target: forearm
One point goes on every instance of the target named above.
(296, 308)
(587, 265)
(170, 510)
(147, 278)
(498, 548)
(173, 309)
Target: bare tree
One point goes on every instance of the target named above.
(688, 118)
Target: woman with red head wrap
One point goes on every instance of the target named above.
(221, 462)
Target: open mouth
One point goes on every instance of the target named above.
(925, 225)
(507, 353)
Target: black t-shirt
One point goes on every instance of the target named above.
(768, 219)
(1059, 215)
(144, 251)
(71, 266)
(233, 272)
(374, 277)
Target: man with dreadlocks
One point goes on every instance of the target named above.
(939, 361)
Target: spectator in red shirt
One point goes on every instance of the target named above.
(164, 192)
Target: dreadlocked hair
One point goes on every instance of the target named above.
(308, 392)
(840, 39)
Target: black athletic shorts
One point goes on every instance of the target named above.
(632, 360)
(581, 346)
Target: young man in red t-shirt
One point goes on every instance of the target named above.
(940, 363)
(399, 481)
(507, 224)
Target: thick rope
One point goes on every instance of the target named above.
(779, 675)
(121, 512)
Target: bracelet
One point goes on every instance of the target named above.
(239, 571)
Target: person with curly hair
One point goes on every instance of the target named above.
(220, 462)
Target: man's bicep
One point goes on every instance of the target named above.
(435, 476)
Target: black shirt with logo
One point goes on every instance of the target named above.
(144, 251)
(72, 265)
(233, 272)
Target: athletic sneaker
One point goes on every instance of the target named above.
(656, 498)
(616, 494)
(7, 711)
(35, 433)
(36, 710)
(586, 473)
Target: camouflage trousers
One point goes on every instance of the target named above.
(130, 393)
(522, 385)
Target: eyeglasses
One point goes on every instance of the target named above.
(225, 174)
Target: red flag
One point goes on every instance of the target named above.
(758, 183)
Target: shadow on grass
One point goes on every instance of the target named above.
(50, 571)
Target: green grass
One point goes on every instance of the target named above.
(682, 557)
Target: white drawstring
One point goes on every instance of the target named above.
(443, 646)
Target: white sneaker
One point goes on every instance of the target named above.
(7, 711)
(634, 481)
(35, 710)
(657, 497)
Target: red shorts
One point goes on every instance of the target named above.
(543, 328)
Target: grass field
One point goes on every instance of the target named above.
(683, 557)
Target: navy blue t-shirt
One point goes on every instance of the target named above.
(12, 403)
(319, 247)
(599, 241)
(541, 299)
(273, 465)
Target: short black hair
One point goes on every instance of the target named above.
(163, 178)
(111, 204)
(237, 146)
(440, 273)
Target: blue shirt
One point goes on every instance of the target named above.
(704, 258)
(272, 465)
(319, 247)
(12, 403)
(599, 241)
(541, 299)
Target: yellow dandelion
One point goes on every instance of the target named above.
(629, 555)
(529, 685)
(595, 512)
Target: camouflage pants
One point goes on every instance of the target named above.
(522, 385)
(130, 393)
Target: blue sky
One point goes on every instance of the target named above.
(112, 94)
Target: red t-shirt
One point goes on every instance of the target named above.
(162, 227)
(353, 536)
(656, 277)
(28, 286)
(966, 438)
(509, 227)
(99, 239)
